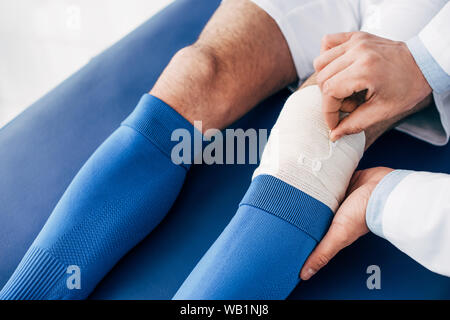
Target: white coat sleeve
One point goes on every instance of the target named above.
(431, 50)
(412, 211)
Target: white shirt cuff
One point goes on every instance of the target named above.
(375, 207)
(437, 78)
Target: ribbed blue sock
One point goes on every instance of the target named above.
(260, 253)
(121, 193)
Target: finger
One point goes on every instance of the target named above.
(359, 120)
(331, 244)
(332, 40)
(344, 230)
(346, 82)
(349, 105)
(329, 55)
(333, 94)
(330, 108)
(342, 85)
(333, 67)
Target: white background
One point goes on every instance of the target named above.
(42, 42)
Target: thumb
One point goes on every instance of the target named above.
(347, 226)
(359, 120)
(331, 244)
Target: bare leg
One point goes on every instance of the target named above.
(240, 58)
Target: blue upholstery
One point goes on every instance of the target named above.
(44, 147)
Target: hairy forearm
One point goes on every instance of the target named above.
(240, 58)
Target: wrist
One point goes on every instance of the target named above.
(421, 88)
(430, 70)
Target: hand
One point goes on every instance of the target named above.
(349, 223)
(382, 69)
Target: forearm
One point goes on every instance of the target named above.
(240, 58)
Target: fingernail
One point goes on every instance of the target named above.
(308, 274)
(333, 136)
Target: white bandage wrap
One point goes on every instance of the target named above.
(300, 153)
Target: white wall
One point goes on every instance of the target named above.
(42, 42)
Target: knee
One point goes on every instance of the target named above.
(198, 62)
(192, 68)
(196, 84)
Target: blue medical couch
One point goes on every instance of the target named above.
(44, 147)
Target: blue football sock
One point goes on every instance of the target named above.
(120, 194)
(260, 253)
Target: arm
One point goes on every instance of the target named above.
(409, 209)
(423, 54)
(383, 70)
(393, 75)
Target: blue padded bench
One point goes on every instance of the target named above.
(44, 147)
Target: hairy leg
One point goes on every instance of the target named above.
(240, 58)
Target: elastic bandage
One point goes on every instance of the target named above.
(300, 153)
